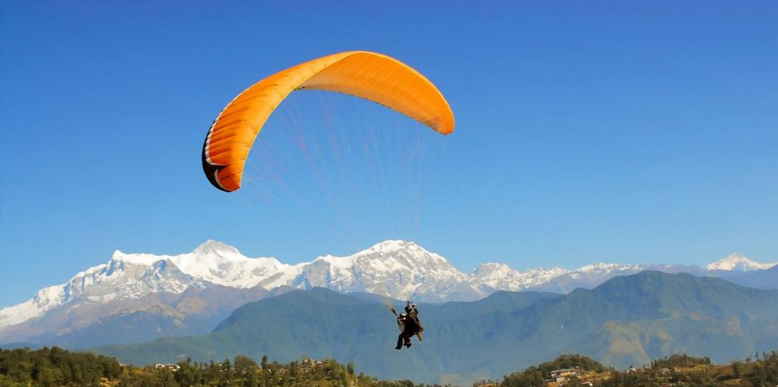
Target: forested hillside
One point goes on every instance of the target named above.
(627, 320)
(676, 370)
(57, 367)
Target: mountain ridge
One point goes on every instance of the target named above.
(656, 313)
(394, 268)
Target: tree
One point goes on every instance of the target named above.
(736, 368)
(186, 374)
(245, 366)
(758, 375)
(50, 377)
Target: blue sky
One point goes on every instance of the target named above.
(586, 131)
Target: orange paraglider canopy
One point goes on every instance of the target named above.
(363, 74)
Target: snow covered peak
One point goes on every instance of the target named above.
(137, 259)
(211, 247)
(494, 275)
(133, 276)
(390, 246)
(395, 254)
(492, 270)
(396, 268)
(221, 264)
(389, 256)
(498, 276)
(738, 262)
(606, 268)
(47, 298)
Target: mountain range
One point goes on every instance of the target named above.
(146, 296)
(628, 320)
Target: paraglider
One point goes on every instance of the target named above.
(372, 76)
(409, 325)
(368, 75)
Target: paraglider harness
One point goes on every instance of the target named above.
(409, 325)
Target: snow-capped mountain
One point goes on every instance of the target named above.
(737, 262)
(398, 269)
(499, 276)
(134, 276)
(173, 290)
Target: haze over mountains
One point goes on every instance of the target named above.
(145, 296)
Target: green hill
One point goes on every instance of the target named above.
(627, 320)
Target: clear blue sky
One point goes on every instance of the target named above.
(637, 131)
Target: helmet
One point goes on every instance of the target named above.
(403, 314)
